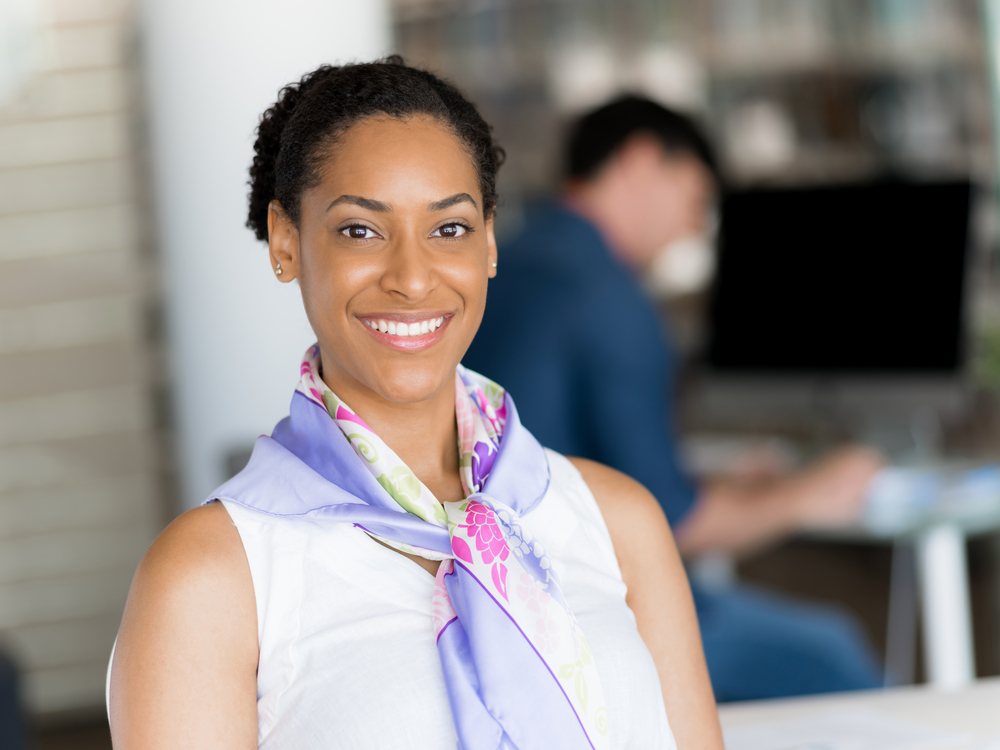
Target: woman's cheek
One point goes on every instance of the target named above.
(473, 282)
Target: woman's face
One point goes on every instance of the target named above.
(393, 256)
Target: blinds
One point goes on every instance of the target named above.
(79, 488)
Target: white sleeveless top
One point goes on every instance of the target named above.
(347, 651)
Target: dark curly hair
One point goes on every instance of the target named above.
(298, 132)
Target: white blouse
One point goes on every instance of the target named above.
(347, 651)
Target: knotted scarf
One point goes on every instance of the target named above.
(517, 667)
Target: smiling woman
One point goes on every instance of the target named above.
(547, 607)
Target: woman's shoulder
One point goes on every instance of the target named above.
(195, 572)
(197, 565)
(624, 503)
(202, 542)
(619, 496)
(191, 606)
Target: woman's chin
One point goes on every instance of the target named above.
(413, 384)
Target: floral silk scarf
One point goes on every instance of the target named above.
(517, 667)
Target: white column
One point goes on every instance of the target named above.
(210, 69)
(947, 619)
(991, 30)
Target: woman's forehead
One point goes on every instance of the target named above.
(394, 155)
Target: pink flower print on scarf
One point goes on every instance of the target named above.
(442, 612)
(547, 635)
(481, 524)
(529, 590)
(350, 416)
(310, 383)
(466, 420)
(490, 400)
(547, 629)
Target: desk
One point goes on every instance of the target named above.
(973, 711)
(938, 537)
(926, 512)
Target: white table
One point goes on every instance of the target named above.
(938, 539)
(930, 565)
(973, 711)
(929, 572)
(935, 544)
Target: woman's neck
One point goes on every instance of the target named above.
(423, 434)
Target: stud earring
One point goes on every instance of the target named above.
(278, 269)
(494, 264)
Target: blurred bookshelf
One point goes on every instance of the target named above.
(793, 92)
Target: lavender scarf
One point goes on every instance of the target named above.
(517, 667)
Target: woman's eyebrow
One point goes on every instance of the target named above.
(451, 201)
(356, 200)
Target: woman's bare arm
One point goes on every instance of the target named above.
(185, 666)
(659, 595)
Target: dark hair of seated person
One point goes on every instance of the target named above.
(303, 126)
(595, 137)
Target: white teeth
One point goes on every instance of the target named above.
(394, 328)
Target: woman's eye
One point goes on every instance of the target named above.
(450, 231)
(359, 232)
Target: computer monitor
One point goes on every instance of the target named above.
(859, 279)
(836, 309)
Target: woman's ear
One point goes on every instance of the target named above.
(491, 250)
(282, 243)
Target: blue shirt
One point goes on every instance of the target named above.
(574, 339)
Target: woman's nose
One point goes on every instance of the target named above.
(408, 272)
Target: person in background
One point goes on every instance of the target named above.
(571, 334)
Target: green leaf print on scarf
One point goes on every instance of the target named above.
(494, 394)
(364, 447)
(404, 487)
(575, 671)
(331, 401)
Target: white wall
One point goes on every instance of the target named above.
(236, 335)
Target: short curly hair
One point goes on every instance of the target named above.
(297, 133)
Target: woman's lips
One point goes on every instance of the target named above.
(409, 332)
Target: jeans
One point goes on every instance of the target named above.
(762, 645)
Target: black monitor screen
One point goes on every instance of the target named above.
(860, 278)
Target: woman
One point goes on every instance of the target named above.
(362, 583)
